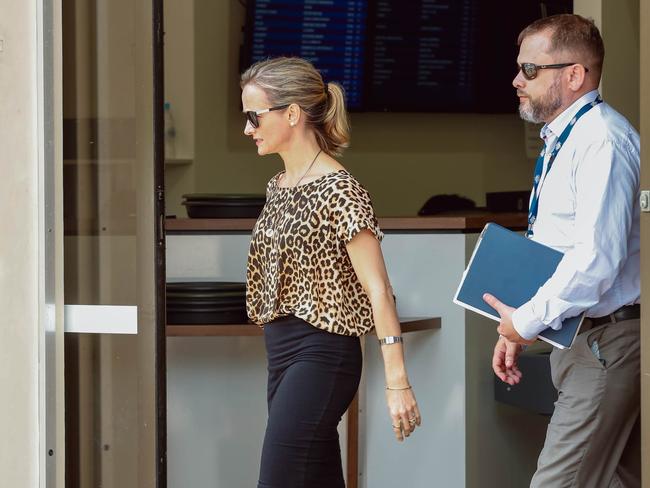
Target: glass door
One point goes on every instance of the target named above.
(113, 244)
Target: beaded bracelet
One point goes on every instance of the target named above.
(398, 389)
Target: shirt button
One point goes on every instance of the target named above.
(269, 232)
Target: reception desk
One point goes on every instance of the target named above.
(217, 374)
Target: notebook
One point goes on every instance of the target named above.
(512, 268)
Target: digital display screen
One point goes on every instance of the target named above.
(331, 34)
(402, 55)
(422, 53)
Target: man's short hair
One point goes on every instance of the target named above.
(571, 33)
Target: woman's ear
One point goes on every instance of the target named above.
(294, 113)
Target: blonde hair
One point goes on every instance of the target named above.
(295, 80)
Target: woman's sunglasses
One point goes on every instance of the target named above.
(529, 70)
(253, 115)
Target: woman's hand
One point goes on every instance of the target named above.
(404, 412)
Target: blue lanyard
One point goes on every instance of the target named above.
(532, 212)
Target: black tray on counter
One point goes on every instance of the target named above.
(223, 206)
(206, 302)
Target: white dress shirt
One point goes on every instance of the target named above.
(589, 210)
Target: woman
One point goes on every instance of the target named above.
(316, 278)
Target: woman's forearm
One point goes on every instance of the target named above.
(387, 324)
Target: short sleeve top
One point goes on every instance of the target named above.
(298, 262)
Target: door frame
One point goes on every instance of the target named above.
(49, 121)
(644, 41)
(160, 241)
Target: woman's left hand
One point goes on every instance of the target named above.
(404, 412)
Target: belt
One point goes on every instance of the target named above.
(628, 312)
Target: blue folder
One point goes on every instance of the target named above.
(512, 268)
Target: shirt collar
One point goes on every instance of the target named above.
(559, 123)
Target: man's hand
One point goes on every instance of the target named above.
(504, 361)
(505, 329)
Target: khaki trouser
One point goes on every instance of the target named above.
(593, 438)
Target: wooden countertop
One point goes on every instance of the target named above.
(244, 330)
(469, 222)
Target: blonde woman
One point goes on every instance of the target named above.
(316, 278)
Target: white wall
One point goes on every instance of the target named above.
(423, 270)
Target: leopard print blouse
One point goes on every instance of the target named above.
(298, 263)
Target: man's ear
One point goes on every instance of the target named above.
(576, 76)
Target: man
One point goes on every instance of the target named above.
(584, 203)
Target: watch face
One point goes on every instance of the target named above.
(391, 340)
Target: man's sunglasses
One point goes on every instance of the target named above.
(253, 115)
(529, 70)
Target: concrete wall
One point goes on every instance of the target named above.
(19, 253)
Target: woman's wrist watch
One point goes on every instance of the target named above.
(390, 340)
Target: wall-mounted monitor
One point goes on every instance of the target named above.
(402, 55)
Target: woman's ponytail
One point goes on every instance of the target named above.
(336, 127)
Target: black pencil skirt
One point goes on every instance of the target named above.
(313, 377)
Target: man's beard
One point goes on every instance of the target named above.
(541, 110)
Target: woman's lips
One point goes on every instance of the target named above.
(258, 142)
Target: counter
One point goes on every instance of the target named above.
(470, 222)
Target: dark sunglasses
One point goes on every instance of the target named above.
(253, 115)
(529, 70)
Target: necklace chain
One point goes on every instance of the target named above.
(308, 168)
(273, 232)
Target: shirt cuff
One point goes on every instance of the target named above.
(526, 323)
